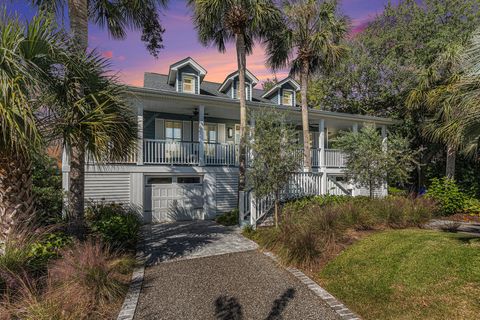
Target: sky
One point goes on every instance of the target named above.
(130, 59)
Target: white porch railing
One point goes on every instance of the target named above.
(221, 154)
(335, 158)
(170, 152)
(301, 184)
(218, 154)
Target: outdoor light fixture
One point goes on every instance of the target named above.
(230, 132)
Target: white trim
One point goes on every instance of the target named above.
(174, 68)
(253, 80)
(279, 84)
(291, 104)
(194, 77)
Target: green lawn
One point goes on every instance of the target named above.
(408, 274)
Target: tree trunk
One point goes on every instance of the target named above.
(450, 168)
(78, 15)
(241, 60)
(76, 196)
(17, 203)
(372, 195)
(305, 124)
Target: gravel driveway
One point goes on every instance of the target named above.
(200, 270)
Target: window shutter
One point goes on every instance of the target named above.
(197, 85)
(159, 129)
(186, 131)
(195, 131)
(221, 132)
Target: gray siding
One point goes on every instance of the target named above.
(226, 192)
(187, 69)
(109, 187)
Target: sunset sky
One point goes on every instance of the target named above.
(130, 58)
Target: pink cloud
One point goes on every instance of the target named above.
(107, 54)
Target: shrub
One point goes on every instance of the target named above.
(48, 246)
(89, 273)
(47, 188)
(116, 225)
(447, 194)
(472, 206)
(316, 227)
(229, 218)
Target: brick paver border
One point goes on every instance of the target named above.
(332, 302)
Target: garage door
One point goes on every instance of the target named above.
(176, 198)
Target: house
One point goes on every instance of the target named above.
(186, 166)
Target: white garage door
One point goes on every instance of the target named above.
(176, 198)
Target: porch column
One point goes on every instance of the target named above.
(384, 137)
(384, 148)
(140, 135)
(354, 188)
(65, 178)
(321, 146)
(201, 146)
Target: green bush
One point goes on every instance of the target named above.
(317, 227)
(49, 247)
(447, 194)
(47, 188)
(472, 206)
(117, 225)
(228, 218)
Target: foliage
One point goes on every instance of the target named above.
(308, 41)
(390, 274)
(314, 229)
(446, 192)
(118, 17)
(117, 225)
(229, 218)
(274, 158)
(49, 246)
(88, 282)
(472, 206)
(370, 163)
(47, 188)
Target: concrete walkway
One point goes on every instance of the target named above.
(201, 270)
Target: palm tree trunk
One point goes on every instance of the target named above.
(305, 124)
(76, 197)
(241, 60)
(78, 15)
(450, 167)
(17, 202)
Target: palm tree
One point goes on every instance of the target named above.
(433, 97)
(26, 55)
(92, 119)
(116, 16)
(242, 22)
(309, 42)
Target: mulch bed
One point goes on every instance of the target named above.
(464, 217)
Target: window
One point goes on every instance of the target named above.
(162, 180)
(188, 84)
(237, 92)
(287, 98)
(188, 180)
(173, 130)
(210, 133)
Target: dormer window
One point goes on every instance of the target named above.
(231, 85)
(237, 92)
(188, 84)
(287, 97)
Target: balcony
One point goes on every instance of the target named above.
(161, 152)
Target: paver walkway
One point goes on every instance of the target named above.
(201, 270)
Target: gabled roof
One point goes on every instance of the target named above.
(229, 79)
(278, 85)
(172, 72)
